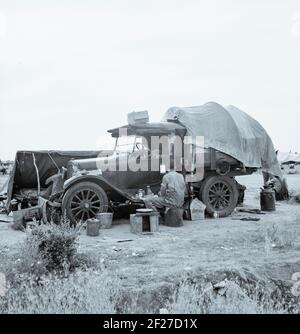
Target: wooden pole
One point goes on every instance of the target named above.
(37, 174)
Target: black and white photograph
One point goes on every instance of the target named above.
(149, 159)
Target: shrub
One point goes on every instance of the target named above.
(48, 275)
(57, 247)
(49, 248)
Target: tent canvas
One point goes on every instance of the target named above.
(289, 158)
(48, 163)
(231, 131)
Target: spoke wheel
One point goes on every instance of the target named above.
(219, 194)
(83, 201)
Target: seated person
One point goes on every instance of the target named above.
(171, 194)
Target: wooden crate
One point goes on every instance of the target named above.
(144, 222)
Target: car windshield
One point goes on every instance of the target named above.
(125, 144)
(128, 144)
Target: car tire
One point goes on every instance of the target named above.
(83, 201)
(219, 194)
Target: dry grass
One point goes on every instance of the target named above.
(234, 298)
(89, 291)
(48, 275)
(275, 237)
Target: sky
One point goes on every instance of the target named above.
(70, 70)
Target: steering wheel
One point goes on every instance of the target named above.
(139, 146)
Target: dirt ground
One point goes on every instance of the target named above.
(269, 247)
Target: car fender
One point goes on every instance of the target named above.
(101, 181)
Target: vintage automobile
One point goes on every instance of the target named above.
(87, 192)
(88, 189)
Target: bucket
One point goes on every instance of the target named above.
(92, 227)
(174, 217)
(267, 199)
(105, 219)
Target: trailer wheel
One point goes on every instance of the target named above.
(83, 201)
(219, 194)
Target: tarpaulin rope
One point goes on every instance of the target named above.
(37, 174)
(53, 161)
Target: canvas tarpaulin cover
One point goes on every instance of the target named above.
(231, 131)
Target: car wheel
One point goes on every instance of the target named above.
(219, 194)
(83, 201)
